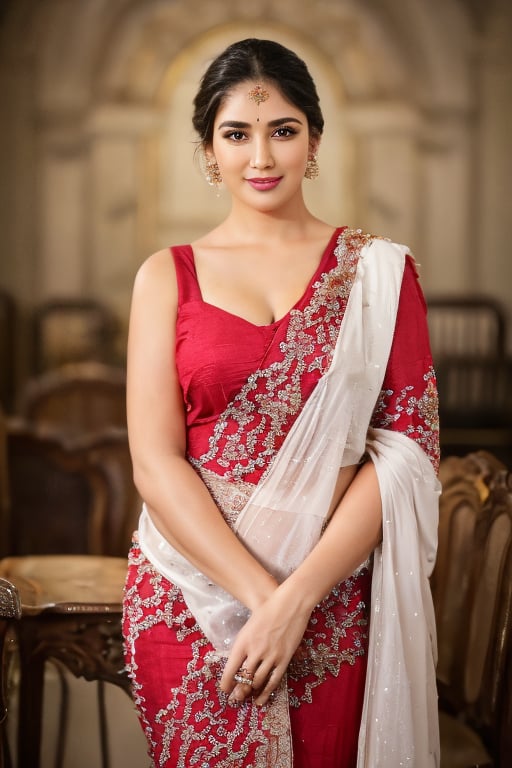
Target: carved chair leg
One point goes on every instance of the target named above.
(5, 754)
(63, 714)
(103, 725)
(30, 696)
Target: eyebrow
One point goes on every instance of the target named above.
(271, 123)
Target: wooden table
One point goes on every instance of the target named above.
(71, 607)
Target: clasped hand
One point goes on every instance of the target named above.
(263, 649)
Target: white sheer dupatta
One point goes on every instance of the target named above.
(284, 516)
(283, 520)
(400, 716)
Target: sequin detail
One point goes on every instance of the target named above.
(252, 428)
(195, 725)
(414, 413)
(230, 498)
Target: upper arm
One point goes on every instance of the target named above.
(154, 403)
(408, 399)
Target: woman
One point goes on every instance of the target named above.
(283, 426)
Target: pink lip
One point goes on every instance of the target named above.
(265, 183)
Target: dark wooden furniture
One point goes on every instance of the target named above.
(4, 485)
(69, 613)
(73, 508)
(466, 326)
(474, 374)
(10, 609)
(475, 405)
(76, 398)
(69, 496)
(8, 326)
(472, 589)
(70, 330)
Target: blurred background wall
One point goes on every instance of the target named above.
(97, 150)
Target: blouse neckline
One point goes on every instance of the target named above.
(274, 323)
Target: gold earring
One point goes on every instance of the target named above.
(212, 173)
(312, 169)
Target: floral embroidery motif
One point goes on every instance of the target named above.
(420, 408)
(230, 498)
(196, 726)
(252, 428)
(338, 636)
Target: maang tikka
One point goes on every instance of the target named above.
(258, 94)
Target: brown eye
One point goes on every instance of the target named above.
(235, 135)
(284, 132)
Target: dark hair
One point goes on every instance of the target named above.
(254, 59)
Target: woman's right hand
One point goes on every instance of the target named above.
(264, 647)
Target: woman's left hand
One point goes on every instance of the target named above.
(263, 649)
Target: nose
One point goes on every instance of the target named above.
(261, 154)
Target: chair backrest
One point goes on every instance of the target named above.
(475, 392)
(4, 484)
(69, 330)
(77, 399)
(70, 497)
(8, 317)
(466, 326)
(472, 588)
(108, 454)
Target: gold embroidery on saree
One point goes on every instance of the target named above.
(424, 406)
(197, 722)
(249, 432)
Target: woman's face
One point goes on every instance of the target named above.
(261, 148)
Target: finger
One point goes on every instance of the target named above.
(262, 675)
(272, 684)
(244, 676)
(239, 694)
(227, 681)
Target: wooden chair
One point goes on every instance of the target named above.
(10, 608)
(474, 374)
(466, 326)
(77, 398)
(475, 405)
(71, 330)
(4, 485)
(8, 324)
(472, 590)
(108, 454)
(74, 507)
(9, 604)
(70, 496)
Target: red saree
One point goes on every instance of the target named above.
(243, 388)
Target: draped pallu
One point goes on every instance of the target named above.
(332, 373)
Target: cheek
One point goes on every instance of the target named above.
(298, 160)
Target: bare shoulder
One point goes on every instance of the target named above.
(156, 265)
(156, 276)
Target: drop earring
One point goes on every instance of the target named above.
(212, 173)
(312, 170)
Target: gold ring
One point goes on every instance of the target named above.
(241, 679)
(246, 673)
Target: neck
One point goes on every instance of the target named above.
(247, 224)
